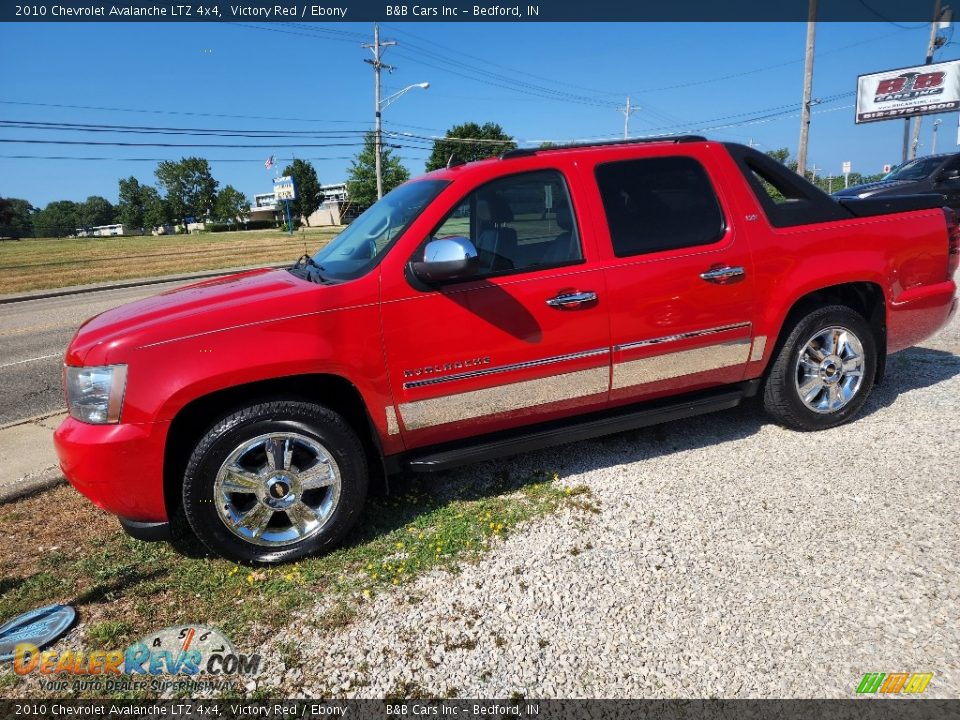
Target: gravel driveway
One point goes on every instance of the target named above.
(729, 558)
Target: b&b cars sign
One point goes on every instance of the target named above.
(921, 90)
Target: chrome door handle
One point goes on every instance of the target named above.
(723, 274)
(574, 299)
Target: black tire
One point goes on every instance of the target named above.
(782, 397)
(290, 424)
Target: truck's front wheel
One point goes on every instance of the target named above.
(274, 482)
(824, 371)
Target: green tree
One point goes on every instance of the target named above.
(58, 219)
(131, 205)
(488, 140)
(16, 217)
(362, 176)
(156, 211)
(190, 188)
(781, 155)
(309, 194)
(231, 204)
(95, 210)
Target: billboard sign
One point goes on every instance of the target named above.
(921, 90)
(285, 188)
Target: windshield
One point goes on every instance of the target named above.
(366, 240)
(915, 169)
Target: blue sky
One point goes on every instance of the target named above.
(549, 81)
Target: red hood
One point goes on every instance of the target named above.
(207, 306)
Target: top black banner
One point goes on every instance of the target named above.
(468, 11)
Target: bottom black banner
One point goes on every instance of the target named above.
(869, 709)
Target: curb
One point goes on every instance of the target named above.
(34, 419)
(31, 485)
(137, 282)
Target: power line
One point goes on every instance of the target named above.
(139, 159)
(765, 68)
(484, 76)
(98, 143)
(173, 112)
(146, 130)
(888, 20)
(513, 71)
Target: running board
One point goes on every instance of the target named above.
(569, 431)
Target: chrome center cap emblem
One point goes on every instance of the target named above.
(831, 370)
(281, 492)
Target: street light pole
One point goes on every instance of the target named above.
(936, 124)
(377, 132)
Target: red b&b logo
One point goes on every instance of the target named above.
(909, 85)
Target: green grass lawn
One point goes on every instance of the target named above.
(46, 263)
(123, 588)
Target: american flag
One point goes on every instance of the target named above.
(268, 163)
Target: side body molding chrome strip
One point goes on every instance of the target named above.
(504, 398)
(506, 368)
(510, 396)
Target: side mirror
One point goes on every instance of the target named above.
(947, 176)
(450, 258)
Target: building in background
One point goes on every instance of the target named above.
(105, 231)
(264, 207)
(332, 212)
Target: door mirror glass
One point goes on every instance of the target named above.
(451, 258)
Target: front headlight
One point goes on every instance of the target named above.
(95, 394)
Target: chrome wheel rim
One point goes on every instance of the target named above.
(277, 489)
(829, 369)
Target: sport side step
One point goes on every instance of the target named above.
(573, 430)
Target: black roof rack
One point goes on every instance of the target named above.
(524, 152)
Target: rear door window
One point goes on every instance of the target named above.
(657, 204)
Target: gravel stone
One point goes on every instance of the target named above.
(730, 558)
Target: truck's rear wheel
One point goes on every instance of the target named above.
(274, 482)
(824, 371)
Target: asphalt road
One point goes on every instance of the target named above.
(33, 337)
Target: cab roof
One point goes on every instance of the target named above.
(529, 152)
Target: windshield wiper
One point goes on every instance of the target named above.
(309, 262)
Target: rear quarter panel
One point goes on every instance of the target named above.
(904, 254)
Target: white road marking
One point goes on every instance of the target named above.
(20, 362)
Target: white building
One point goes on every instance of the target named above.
(104, 231)
(265, 206)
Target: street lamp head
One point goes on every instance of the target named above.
(423, 85)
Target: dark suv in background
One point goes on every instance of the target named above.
(933, 173)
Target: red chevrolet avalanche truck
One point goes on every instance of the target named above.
(542, 297)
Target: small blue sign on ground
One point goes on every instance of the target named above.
(38, 627)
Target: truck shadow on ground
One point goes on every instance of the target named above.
(414, 495)
(907, 371)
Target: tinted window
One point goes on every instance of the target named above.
(659, 204)
(520, 222)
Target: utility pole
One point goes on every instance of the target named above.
(807, 89)
(378, 132)
(931, 46)
(627, 111)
